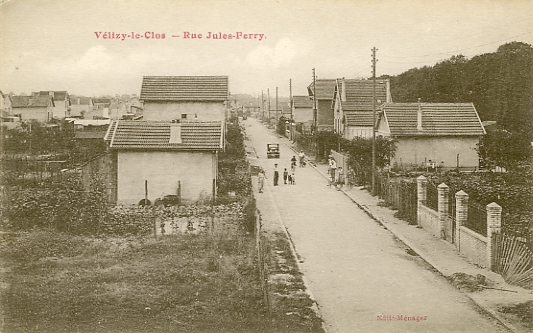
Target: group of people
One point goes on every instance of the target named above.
(288, 177)
(335, 173)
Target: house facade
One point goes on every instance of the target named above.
(155, 159)
(35, 107)
(80, 106)
(302, 111)
(438, 135)
(61, 108)
(323, 100)
(353, 106)
(184, 98)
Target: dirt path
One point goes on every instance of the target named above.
(362, 278)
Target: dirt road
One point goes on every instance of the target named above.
(363, 279)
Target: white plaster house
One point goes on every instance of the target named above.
(184, 98)
(445, 134)
(165, 156)
(353, 106)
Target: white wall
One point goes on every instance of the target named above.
(163, 170)
(167, 111)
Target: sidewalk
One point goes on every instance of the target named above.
(439, 254)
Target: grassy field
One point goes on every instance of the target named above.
(53, 282)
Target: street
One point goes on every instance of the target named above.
(363, 279)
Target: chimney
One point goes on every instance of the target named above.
(419, 116)
(387, 87)
(175, 133)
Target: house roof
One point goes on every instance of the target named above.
(438, 119)
(324, 89)
(80, 100)
(185, 88)
(302, 102)
(31, 101)
(58, 95)
(358, 118)
(130, 134)
(101, 100)
(359, 94)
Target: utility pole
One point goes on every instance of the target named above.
(262, 106)
(268, 104)
(374, 120)
(315, 112)
(277, 117)
(315, 117)
(290, 96)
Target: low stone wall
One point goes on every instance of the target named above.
(429, 220)
(473, 246)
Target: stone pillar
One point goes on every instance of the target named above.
(443, 204)
(421, 194)
(494, 225)
(461, 215)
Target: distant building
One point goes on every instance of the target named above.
(80, 106)
(61, 107)
(35, 107)
(163, 158)
(353, 106)
(302, 111)
(324, 103)
(443, 135)
(183, 98)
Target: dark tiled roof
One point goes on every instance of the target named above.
(358, 118)
(57, 95)
(30, 101)
(324, 89)
(129, 134)
(359, 94)
(438, 119)
(302, 102)
(184, 88)
(101, 100)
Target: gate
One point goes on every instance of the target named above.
(512, 259)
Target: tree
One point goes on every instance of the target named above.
(504, 149)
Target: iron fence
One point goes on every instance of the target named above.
(477, 218)
(432, 196)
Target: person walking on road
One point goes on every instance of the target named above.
(293, 163)
(261, 180)
(301, 155)
(285, 175)
(276, 175)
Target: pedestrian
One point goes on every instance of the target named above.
(340, 178)
(333, 169)
(261, 180)
(293, 163)
(285, 174)
(276, 175)
(290, 179)
(293, 179)
(301, 155)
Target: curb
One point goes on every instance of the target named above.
(419, 252)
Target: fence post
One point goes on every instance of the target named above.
(421, 193)
(494, 225)
(461, 214)
(443, 201)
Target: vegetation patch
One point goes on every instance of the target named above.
(57, 282)
(523, 312)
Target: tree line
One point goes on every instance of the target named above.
(500, 84)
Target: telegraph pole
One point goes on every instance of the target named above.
(290, 96)
(268, 104)
(262, 106)
(277, 117)
(315, 112)
(374, 120)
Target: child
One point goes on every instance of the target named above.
(293, 179)
(285, 175)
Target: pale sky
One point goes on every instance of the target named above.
(53, 44)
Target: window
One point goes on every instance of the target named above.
(183, 116)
